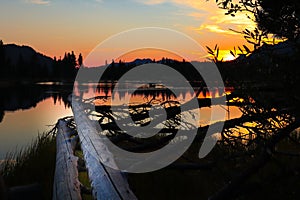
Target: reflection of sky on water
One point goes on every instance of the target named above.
(127, 93)
(120, 94)
(21, 127)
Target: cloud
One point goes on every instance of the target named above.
(240, 20)
(198, 15)
(208, 17)
(215, 29)
(215, 20)
(38, 2)
(195, 4)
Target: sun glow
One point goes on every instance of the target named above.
(225, 55)
(228, 56)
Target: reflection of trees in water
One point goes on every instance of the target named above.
(22, 97)
(262, 135)
(148, 91)
(164, 94)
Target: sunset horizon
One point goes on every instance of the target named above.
(55, 31)
(149, 99)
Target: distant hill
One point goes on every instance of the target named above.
(23, 63)
(14, 52)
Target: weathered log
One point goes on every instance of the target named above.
(106, 183)
(66, 184)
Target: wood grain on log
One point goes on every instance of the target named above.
(107, 183)
(66, 184)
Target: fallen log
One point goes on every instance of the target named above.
(66, 184)
(107, 183)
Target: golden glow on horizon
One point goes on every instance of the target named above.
(82, 28)
(227, 56)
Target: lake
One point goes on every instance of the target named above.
(29, 110)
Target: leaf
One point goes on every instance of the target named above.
(232, 53)
(241, 50)
(210, 51)
(247, 49)
(251, 42)
(259, 40)
(216, 46)
(246, 33)
(218, 52)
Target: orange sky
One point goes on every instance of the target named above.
(53, 27)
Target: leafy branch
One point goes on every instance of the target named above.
(214, 53)
(242, 51)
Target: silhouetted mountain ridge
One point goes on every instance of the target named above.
(28, 54)
(23, 63)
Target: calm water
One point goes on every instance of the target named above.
(26, 111)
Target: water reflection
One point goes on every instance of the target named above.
(133, 91)
(26, 110)
(22, 97)
(106, 94)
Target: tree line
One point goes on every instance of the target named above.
(31, 66)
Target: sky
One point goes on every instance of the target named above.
(53, 27)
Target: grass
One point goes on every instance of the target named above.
(34, 164)
(83, 177)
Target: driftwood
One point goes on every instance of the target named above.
(106, 183)
(66, 184)
(201, 131)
